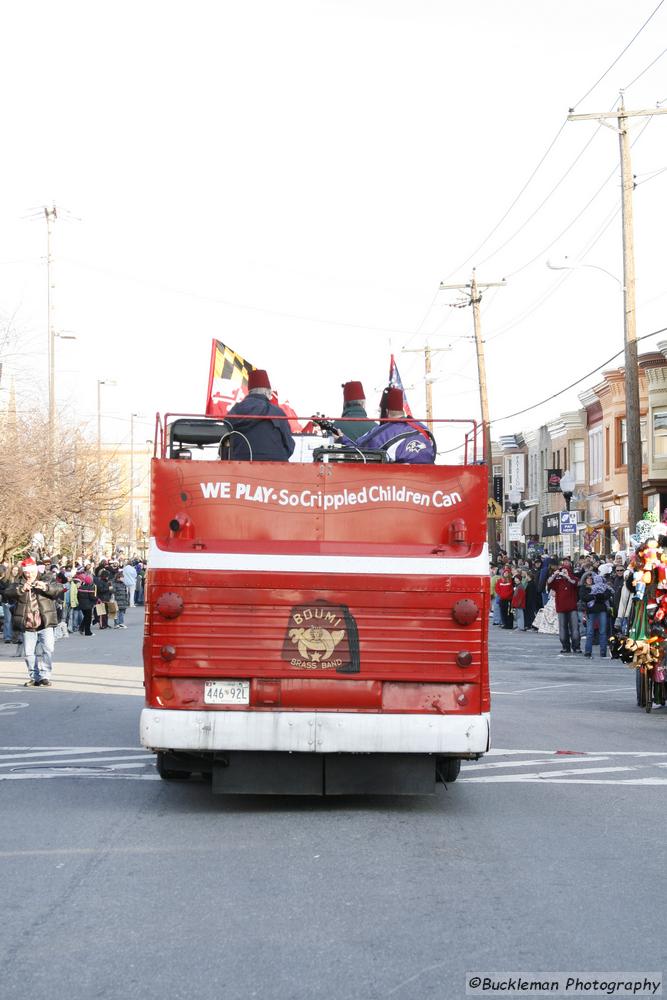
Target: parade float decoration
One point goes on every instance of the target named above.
(642, 642)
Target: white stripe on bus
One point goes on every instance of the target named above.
(285, 563)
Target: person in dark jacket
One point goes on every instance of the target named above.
(86, 596)
(533, 602)
(595, 595)
(104, 587)
(35, 616)
(267, 440)
(121, 597)
(403, 440)
(354, 405)
(616, 581)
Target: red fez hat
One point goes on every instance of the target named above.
(258, 379)
(28, 562)
(353, 391)
(394, 399)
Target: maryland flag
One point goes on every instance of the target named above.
(395, 382)
(227, 380)
(228, 384)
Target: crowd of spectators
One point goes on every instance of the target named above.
(90, 594)
(571, 598)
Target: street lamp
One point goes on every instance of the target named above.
(131, 535)
(567, 485)
(100, 383)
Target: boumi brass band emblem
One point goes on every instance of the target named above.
(322, 636)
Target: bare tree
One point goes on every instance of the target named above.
(69, 490)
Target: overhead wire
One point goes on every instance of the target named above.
(555, 395)
(189, 293)
(645, 70)
(544, 200)
(619, 56)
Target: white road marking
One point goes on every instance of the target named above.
(531, 763)
(545, 776)
(7, 707)
(64, 752)
(40, 776)
(583, 753)
(540, 687)
(74, 760)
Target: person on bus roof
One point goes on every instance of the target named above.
(258, 440)
(354, 405)
(403, 439)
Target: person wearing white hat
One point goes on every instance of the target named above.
(35, 616)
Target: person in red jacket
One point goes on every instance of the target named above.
(565, 586)
(504, 590)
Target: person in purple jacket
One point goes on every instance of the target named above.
(403, 440)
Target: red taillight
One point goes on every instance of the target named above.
(465, 611)
(169, 605)
(168, 652)
(163, 690)
(464, 658)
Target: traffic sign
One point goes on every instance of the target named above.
(493, 509)
(568, 522)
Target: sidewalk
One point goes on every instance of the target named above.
(107, 663)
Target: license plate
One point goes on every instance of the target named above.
(226, 692)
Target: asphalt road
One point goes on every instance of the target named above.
(546, 856)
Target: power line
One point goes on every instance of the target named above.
(227, 302)
(645, 70)
(543, 202)
(618, 57)
(572, 385)
(555, 395)
(540, 301)
(498, 224)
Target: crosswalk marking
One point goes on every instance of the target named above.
(575, 767)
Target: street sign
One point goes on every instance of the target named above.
(515, 532)
(493, 509)
(568, 522)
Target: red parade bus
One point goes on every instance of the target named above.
(317, 626)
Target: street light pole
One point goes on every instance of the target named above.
(129, 543)
(51, 215)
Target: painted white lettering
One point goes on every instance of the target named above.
(210, 490)
(283, 498)
(241, 490)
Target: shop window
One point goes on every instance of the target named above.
(622, 441)
(577, 461)
(660, 433)
(595, 454)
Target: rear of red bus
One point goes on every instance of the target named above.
(316, 628)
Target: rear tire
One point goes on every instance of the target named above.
(169, 774)
(448, 769)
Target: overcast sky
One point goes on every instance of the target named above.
(295, 178)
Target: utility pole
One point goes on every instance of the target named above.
(632, 411)
(51, 215)
(428, 351)
(131, 535)
(473, 290)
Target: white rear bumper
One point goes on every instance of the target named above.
(314, 732)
